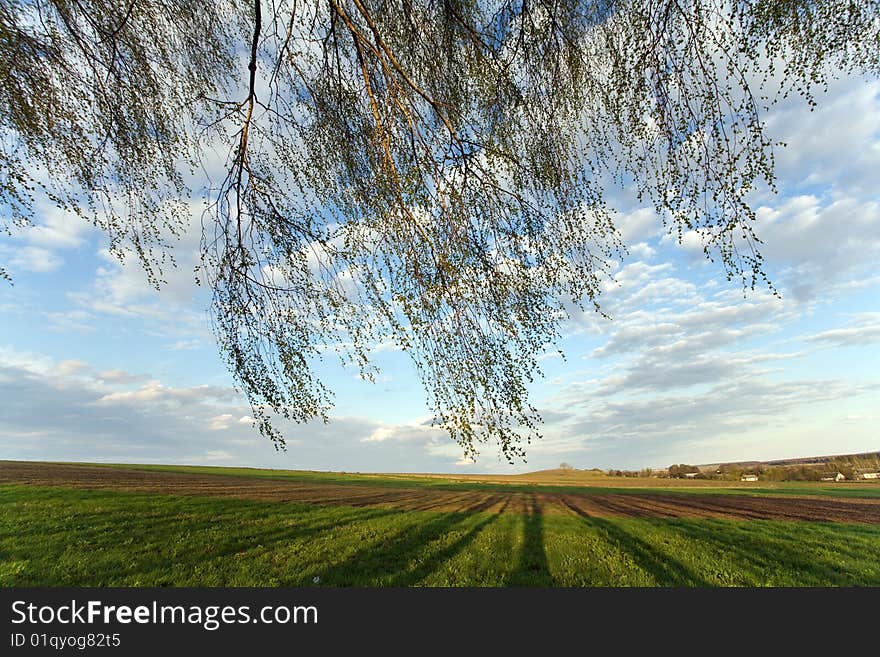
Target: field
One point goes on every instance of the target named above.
(138, 525)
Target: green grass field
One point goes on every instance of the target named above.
(52, 536)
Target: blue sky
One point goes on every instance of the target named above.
(96, 366)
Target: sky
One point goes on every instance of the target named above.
(97, 366)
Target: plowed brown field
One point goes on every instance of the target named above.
(641, 505)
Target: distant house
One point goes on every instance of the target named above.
(749, 477)
(838, 477)
(691, 475)
(870, 475)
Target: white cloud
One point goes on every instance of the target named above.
(26, 361)
(37, 247)
(638, 226)
(71, 321)
(56, 229)
(176, 310)
(185, 345)
(155, 392)
(118, 376)
(817, 244)
(31, 258)
(834, 146)
(220, 422)
(865, 330)
(417, 431)
(642, 251)
(69, 367)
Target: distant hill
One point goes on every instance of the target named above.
(849, 458)
(865, 460)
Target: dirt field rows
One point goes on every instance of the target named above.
(592, 505)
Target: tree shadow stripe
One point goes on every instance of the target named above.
(365, 566)
(450, 551)
(667, 570)
(532, 567)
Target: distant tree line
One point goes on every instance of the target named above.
(645, 472)
(815, 471)
(679, 470)
(810, 470)
(623, 473)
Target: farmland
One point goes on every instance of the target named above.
(99, 525)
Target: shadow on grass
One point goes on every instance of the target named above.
(385, 561)
(665, 569)
(532, 568)
(108, 530)
(141, 544)
(805, 556)
(421, 571)
(261, 538)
